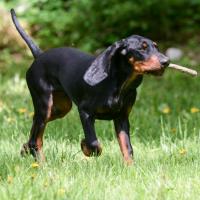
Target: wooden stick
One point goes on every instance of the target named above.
(183, 69)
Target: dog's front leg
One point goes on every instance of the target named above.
(90, 145)
(122, 131)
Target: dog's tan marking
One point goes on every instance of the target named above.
(38, 140)
(61, 105)
(150, 65)
(50, 104)
(88, 151)
(122, 139)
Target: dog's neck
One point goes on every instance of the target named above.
(131, 83)
(128, 85)
(126, 77)
(126, 82)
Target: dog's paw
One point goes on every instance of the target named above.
(28, 149)
(36, 153)
(25, 150)
(129, 161)
(93, 149)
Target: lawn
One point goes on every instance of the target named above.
(165, 133)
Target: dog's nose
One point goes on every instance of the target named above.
(165, 61)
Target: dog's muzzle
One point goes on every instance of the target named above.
(164, 60)
(154, 65)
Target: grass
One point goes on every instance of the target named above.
(165, 133)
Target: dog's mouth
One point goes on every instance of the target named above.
(155, 72)
(151, 66)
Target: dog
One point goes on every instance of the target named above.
(102, 87)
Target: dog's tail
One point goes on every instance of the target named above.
(36, 51)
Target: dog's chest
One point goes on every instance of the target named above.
(112, 100)
(115, 104)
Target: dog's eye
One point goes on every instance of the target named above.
(144, 45)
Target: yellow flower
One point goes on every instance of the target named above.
(17, 168)
(182, 151)
(10, 179)
(1, 106)
(31, 114)
(33, 176)
(173, 130)
(46, 184)
(35, 165)
(61, 191)
(10, 119)
(166, 110)
(194, 110)
(22, 110)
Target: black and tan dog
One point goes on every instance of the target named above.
(102, 87)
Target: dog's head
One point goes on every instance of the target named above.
(141, 54)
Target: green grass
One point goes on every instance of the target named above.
(166, 147)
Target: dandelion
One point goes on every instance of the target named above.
(31, 114)
(33, 176)
(17, 168)
(46, 184)
(173, 130)
(1, 106)
(182, 151)
(194, 110)
(35, 165)
(22, 110)
(61, 191)
(9, 179)
(10, 119)
(166, 110)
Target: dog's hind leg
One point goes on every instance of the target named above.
(48, 105)
(51, 106)
(42, 112)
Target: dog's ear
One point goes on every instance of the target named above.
(100, 67)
